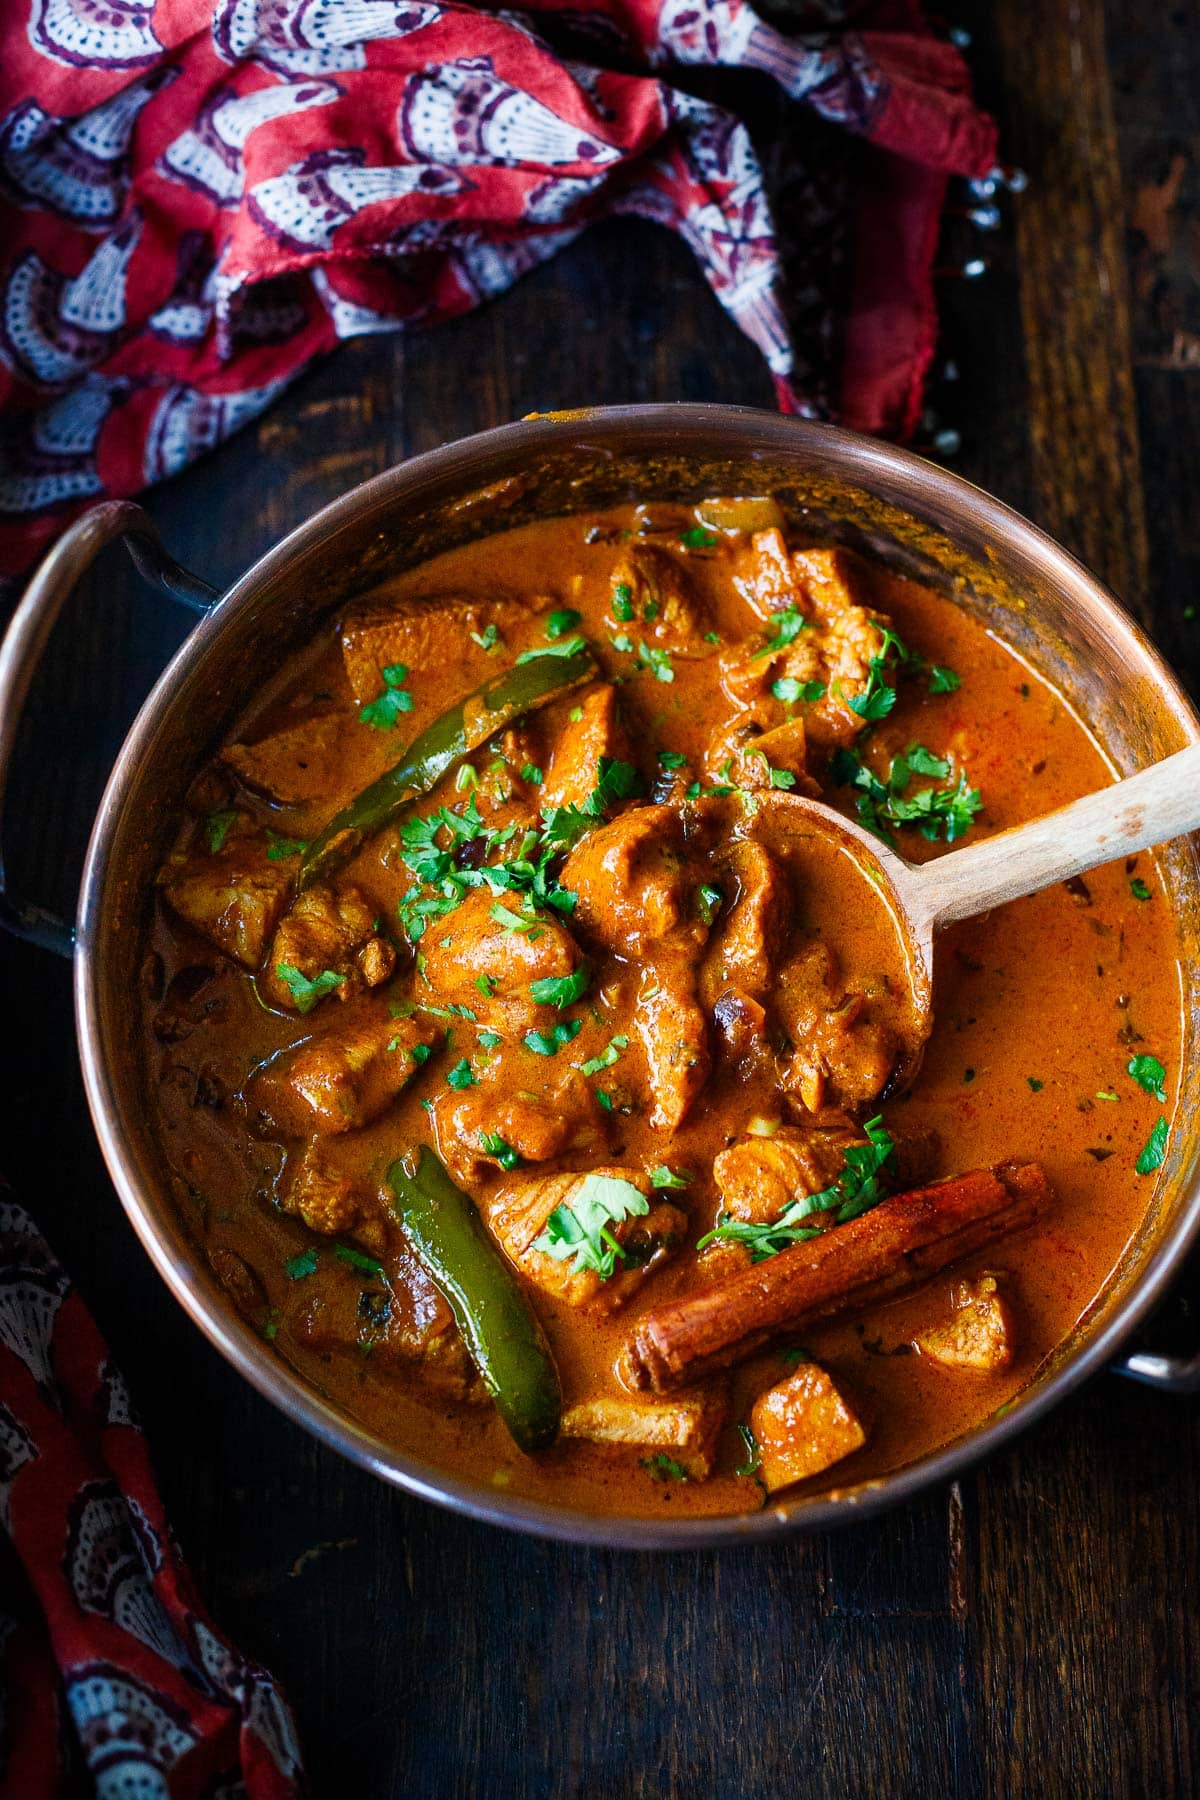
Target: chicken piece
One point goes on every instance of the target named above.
(397, 1318)
(742, 1024)
(802, 1426)
(573, 773)
(538, 1126)
(234, 905)
(764, 575)
(519, 1213)
(301, 765)
(339, 1080)
(759, 1178)
(745, 755)
(478, 962)
(674, 1035)
(427, 633)
(330, 929)
(652, 602)
(842, 1056)
(751, 927)
(630, 876)
(328, 1201)
(978, 1334)
(685, 1428)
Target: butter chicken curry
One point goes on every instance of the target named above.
(528, 1071)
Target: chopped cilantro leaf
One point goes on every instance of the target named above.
(1155, 1150)
(708, 903)
(581, 1231)
(568, 647)
(603, 1099)
(549, 1043)
(935, 812)
(532, 774)
(664, 1467)
(420, 1054)
(306, 993)
(297, 1267)
(622, 602)
(788, 623)
(486, 985)
(558, 622)
(501, 1149)
(1138, 888)
(561, 990)
(462, 1075)
(1035, 1084)
(857, 1189)
(1150, 1075)
(489, 1039)
(279, 849)
(525, 924)
(658, 661)
(622, 642)
(366, 1265)
(662, 1177)
(383, 712)
(753, 1452)
(697, 537)
(877, 699)
(712, 637)
(216, 829)
(943, 681)
(672, 759)
(790, 691)
(607, 1057)
(488, 638)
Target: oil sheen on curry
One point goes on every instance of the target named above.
(528, 1070)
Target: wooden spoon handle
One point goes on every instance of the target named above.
(1159, 803)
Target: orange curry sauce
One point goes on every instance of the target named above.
(1040, 1007)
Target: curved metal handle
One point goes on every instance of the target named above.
(1171, 1374)
(26, 638)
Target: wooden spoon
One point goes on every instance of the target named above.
(1157, 804)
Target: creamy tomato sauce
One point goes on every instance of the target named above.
(739, 985)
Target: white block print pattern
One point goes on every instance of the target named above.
(315, 36)
(208, 157)
(16, 1449)
(110, 1556)
(78, 168)
(54, 330)
(187, 422)
(463, 113)
(59, 459)
(131, 1737)
(105, 34)
(305, 206)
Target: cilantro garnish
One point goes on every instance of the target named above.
(395, 699)
(856, 1190)
(622, 602)
(549, 1043)
(1138, 888)
(788, 623)
(532, 774)
(753, 1452)
(656, 660)
(1154, 1151)
(568, 647)
(462, 1075)
(672, 759)
(607, 1057)
(558, 622)
(306, 993)
(486, 985)
(879, 696)
(489, 1039)
(1035, 1084)
(420, 1053)
(561, 990)
(366, 1265)
(1150, 1075)
(790, 691)
(581, 1232)
(217, 828)
(708, 903)
(280, 848)
(488, 638)
(603, 1099)
(935, 812)
(501, 1149)
(524, 924)
(664, 1467)
(698, 537)
(943, 681)
(297, 1267)
(623, 643)
(662, 1177)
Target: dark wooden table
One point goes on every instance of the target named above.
(1036, 1628)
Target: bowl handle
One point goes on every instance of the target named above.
(26, 638)
(1170, 1374)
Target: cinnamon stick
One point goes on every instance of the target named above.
(886, 1252)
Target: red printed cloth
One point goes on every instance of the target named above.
(113, 1679)
(197, 199)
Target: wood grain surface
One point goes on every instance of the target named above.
(1034, 1630)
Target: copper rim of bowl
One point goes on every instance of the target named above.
(858, 460)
